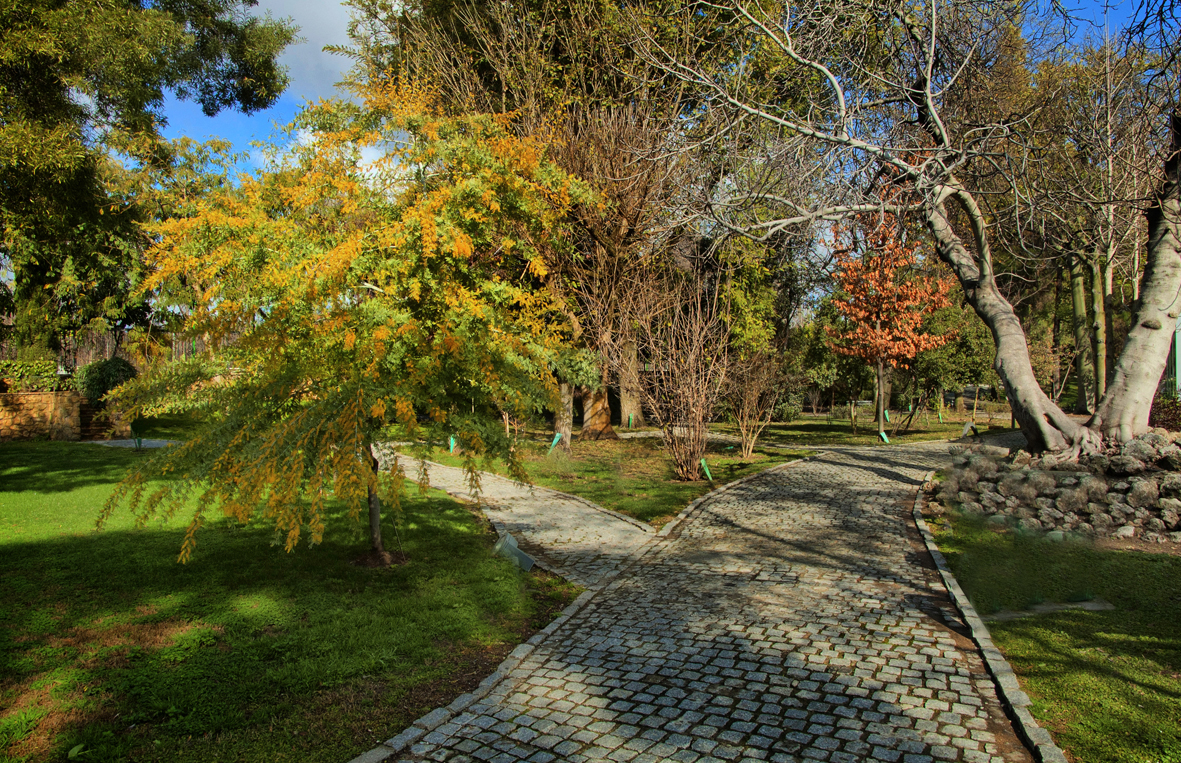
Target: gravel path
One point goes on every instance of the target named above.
(793, 617)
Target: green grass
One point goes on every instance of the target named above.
(246, 653)
(634, 477)
(1107, 684)
(179, 427)
(820, 431)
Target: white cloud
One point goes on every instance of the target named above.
(313, 72)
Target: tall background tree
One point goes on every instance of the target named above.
(888, 72)
(74, 76)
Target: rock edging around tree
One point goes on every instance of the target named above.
(1128, 491)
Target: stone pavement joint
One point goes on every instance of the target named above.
(793, 617)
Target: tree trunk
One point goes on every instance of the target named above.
(881, 397)
(564, 416)
(374, 508)
(1099, 327)
(631, 412)
(1083, 364)
(1123, 412)
(1044, 424)
(596, 414)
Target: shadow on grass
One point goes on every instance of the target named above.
(106, 641)
(58, 467)
(1108, 683)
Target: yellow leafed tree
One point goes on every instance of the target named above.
(336, 297)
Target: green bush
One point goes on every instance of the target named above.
(30, 375)
(789, 407)
(95, 380)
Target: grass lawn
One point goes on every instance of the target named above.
(246, 653)
(1107, 684)
(634, 477)
(808, 430)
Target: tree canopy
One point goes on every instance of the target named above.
(73, 77)
(337, 298)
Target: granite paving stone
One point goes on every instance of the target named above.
(792, 617)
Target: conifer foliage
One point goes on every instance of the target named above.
(340, 297)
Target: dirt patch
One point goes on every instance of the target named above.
(99, 647)
(379, 559)
(1135, 544)
(150, 635)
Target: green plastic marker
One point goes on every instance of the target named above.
(453, 443)
(629, 420)
(705, 466)
(884, 438)
(941, 416)
(886, 413)
(554, 444)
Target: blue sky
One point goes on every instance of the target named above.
(314, 72)
(313, 75)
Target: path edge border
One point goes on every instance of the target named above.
(441, 715)
(1015, 700)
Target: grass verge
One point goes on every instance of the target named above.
(245, 653)
(1106, 684)
(634, 477)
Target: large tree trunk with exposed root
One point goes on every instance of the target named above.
(1045, 425)
(1123, 412)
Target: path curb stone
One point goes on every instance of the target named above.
(439, 716)
(1015, 700)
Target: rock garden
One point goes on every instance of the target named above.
(1128, 491)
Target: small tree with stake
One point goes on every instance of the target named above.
(338, 299)
(882, 303)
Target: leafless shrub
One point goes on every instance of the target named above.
(686, 344)
(753, 389)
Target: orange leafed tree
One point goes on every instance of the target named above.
(882, 300)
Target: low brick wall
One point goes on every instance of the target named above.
(34, 415)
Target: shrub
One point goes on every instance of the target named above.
(96, 379)
(30, 375)
(789, 407)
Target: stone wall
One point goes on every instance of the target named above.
(35, 415)
(1131, 492)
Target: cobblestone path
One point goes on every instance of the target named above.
(791, 618)
(580, 541)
